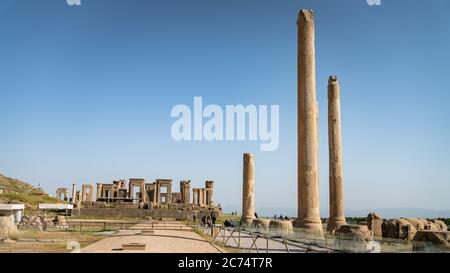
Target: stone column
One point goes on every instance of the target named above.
(209, 185)
(78, 194)
(158, 189)
(74, 191)
(197, 198)
(187, 195)
(99, 191)
(169, 193)
(248, 200)
(308, 169)
(90, 196)
(201, 197)
(143, 192)
(336, 218)
(198, 201)
(209, 201)
(83, 193)
(211, 197)
(154, 194)
(185, 190)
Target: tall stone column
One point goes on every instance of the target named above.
(83, 193)
(336, 218)
(248, 199)
(202, 197)
(211, 197)
(99, 190)
(74, 191)
(169, 193)
(188, 195)
(143, 192)
(154, 194)
(90, 195)
(308, 163)
(158, 189)
(185, 191)
(209, 187)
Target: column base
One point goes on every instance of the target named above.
(312, 227)
(247, 221)
(334, 224)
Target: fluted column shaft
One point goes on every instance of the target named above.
(248, 199)
(336, 218)
(308, 164)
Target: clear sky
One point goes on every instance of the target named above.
(86, 93)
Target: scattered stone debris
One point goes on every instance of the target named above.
(406, 229)
(44, 222)
(354, 231)
(32, 222)
(437, 237)
(409, 229)
(354, 238)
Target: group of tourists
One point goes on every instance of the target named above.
(206, 220)
(281, 217)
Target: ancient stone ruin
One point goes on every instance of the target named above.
(308, 159)
(141, 199)
(248, 200)
(414, 229)
(336, 218)
(62, 194)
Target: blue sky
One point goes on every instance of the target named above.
(86, 93)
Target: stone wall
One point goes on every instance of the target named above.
(141, 213)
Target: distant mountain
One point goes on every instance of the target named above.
(16, 191)
(263, 211)
(401, 212)
(385, 212)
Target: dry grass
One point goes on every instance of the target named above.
(20, 247)
(57, 235)
(47, 242)
(228, 217)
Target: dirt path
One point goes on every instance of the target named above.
(162, 237)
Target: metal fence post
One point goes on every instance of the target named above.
(239, 239)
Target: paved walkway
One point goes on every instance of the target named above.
(159, 237)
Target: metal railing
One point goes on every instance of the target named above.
(89, 226)
(161, 225)
(253, 240)
(260, 240)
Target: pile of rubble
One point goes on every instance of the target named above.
(32, 222)
(358, 237)
(411, 229)
(407, 228)
(43, 222)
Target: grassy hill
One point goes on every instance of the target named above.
(16, 191)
